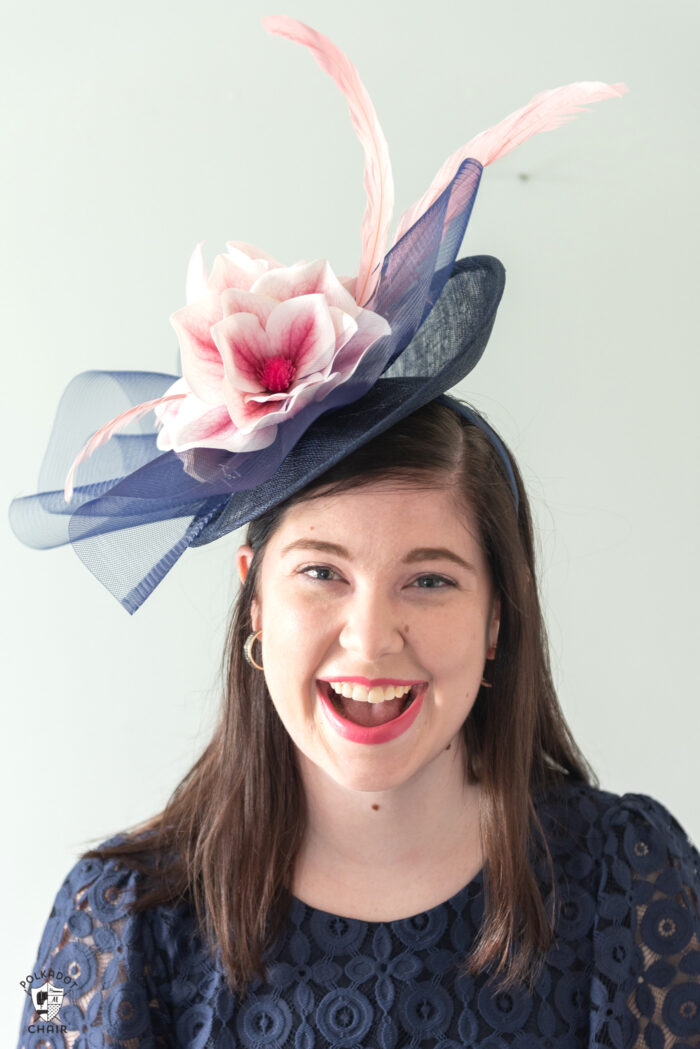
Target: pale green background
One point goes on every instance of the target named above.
(130, 131)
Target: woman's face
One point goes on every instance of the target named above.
(377, 613)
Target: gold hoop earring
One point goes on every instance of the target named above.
(490, 656)
(248, 649)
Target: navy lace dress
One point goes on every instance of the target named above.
(624, 970)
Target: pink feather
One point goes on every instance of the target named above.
(546, 111)
(108, 430)
(196, 283)
(378, 179)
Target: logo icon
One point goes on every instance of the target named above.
(47, 1000)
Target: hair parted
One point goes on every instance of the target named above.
(228, 837)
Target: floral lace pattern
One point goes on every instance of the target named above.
(624, 970)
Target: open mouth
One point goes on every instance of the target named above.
(381, 706)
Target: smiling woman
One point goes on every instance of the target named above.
(424, 585)
(377, 619)
(392, 834)
(392, 838)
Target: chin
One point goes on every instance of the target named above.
(369, 781)
(368, 773)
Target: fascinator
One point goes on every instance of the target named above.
(285, 369)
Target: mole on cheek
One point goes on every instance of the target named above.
(375, 807)
(405, 629)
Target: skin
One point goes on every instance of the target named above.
(396, 814)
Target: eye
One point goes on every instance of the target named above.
(432, 582)
(322, 573)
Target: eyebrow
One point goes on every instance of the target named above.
(421, 553)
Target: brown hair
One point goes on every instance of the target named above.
(229, 835)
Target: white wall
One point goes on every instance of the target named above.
(130, 132)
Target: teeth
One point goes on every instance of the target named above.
(376, 694)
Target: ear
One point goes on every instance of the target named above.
(244, 558)
(494, 626)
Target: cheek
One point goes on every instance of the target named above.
(455, 659)
(294, 641)
(449, 639)
(293, 626)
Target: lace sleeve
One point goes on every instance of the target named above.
(645, 991)
(100, 964)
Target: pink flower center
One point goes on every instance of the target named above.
(277, 374)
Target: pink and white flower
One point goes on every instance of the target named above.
(258, 343)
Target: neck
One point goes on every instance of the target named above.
(423, 835)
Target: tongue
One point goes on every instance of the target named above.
(368, 714)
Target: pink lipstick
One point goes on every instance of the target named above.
(376, 733)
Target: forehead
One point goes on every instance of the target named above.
(382, 516)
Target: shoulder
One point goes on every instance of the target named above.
(629, 884)
(647, 834)
(97, 915)
(112, 957)
(644, 916)
(635, 828)
(105, 886)
(93, 889)
(115, 890)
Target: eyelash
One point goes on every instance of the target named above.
(441, 578)
(308, 569)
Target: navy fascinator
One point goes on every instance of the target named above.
(285, 369)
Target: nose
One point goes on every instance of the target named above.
(372, 627)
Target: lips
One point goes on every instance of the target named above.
(397, 713)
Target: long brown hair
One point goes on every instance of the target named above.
(228, 838)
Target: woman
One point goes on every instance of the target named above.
(392, 838)
(379, 826)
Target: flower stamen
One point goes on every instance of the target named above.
(277, 374)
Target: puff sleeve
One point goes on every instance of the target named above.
(645, 988)
(105, 961)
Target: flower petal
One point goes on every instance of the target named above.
(244, 346)
(236, 246)
(195, 424)
(250, 412)
(202, 366)
(370, 328)
(306, 278)
(163, 411)
(303, 331)
(196, 284)
(235, 271)
(289, 396)
(345, 325)
(234, 300)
